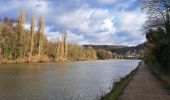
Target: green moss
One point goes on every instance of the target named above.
(118, 87)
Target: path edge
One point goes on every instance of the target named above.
(119, 87)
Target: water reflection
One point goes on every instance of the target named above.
(61, 81)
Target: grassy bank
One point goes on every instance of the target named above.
(118, 87)
(43, 59)
(156, 69)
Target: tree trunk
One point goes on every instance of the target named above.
(31, 39)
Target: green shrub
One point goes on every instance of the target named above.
(162, 54)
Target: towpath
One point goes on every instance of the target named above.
(144, 86)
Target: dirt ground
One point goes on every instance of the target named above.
(144, 86)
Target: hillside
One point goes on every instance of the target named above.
(117, 49)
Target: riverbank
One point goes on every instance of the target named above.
(43, 59)
(20, 62)
(48, 61)
(144, 86)
(118, 87)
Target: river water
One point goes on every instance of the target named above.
(83, 80)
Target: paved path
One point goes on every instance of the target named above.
(144, 86)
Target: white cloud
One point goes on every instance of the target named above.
(132, 22)
(107, 1)
(98, 14)
(87, 20)
(72, 37)
(97, 26)
(73, 18)
(108, 24)
(91, 25)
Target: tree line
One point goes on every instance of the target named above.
(157, 47)
(18, 44)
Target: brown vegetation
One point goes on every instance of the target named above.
(18, 44)
(103, 54)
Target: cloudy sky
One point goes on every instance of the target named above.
(116, 22)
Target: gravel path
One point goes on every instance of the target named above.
(144, 86)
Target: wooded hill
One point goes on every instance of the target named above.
(117, 49)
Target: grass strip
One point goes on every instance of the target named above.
(155, 69)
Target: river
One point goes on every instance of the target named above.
(82, 80)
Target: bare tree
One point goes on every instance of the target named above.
(32, 29)
(21, 24)
(158, 12)
(21, 18)
(62, 48)
(41, 27)
(65, 44)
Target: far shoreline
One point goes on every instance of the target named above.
(40, 62)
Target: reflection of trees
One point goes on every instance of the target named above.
(35, 68)
(18, 82)
(31, 81)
